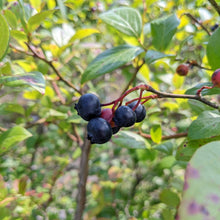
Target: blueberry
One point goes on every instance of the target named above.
(115, 129)
(88, 106)
(99, 131)
(140, 111)
(124, 116)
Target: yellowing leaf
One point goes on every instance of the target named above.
(156, 133)
(83, 33)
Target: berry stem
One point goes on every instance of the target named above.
(204, 87)
(159, 94)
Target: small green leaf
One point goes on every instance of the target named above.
(130, 139)
(213, 48)
(156, 133)
(110, 60)
(162, 31)
(34, 79)
(201, 193)
(12, 137)
(207, 125)
(165, 147)
(4, 37)
(11, 18)
(153, 55)
(124, 19)
(167, 162)
(18, 35)
(83, 33)
(6, 108)
(169, 197)
(35, 21)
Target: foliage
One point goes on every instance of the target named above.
(52, 52)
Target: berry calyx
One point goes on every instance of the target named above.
(99, 131)
(88, 106)
(140, 111)
(124, 116)
(216, 78)
(182, 70)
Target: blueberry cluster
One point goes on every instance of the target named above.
(103, 123)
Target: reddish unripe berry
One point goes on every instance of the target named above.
(106, 113)
(216, 78)
(182, 70)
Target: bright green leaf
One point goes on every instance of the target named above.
(162, 31)
(156, 133)
(207, 125)
(4, 37)
(110, 60)
(18, 35)
(35, 21)
(11, 18)
(34, 79)
(83, 33)
(124, 19)
(130, 139)
(213, 48)
(153, 55)
(12, 137)
(178, 81)
(201, 193)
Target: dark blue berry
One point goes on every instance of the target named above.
(88, 106)
(99, 131)
(140, 111)
(124, 116)
(115, 130)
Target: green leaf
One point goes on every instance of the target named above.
(110, 60)
(153, 55)
(62, 8)
(130, 139)
(35, 21)
(167, 162)
(34, 79)
(207, 125)
(165, 147)
(11, 18)
(6, 108)
(12, 137)
(169, 197)
(201, 193)
(162, 31)
(18, 35)
(124, 19)
(156, 133)
(83, 33)
(4, 37)
(213, 48)
(188, 147)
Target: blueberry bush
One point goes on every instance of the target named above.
(109, 109)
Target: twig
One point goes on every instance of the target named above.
(57, 90)
(215, 5)
(50, 63)
(83, 174)
(174, 136)
(199, 23)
